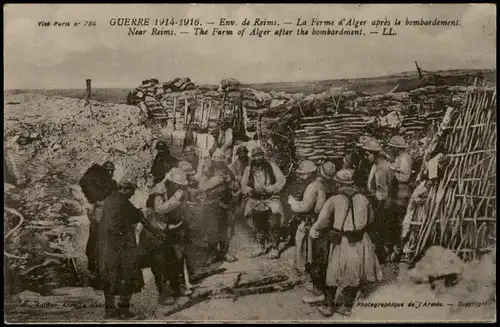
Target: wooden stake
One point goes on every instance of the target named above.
(419, 71)
(89, 90)
(185, 111)
(175, 105)
(209, 113)
(202, 111)
(88, 95)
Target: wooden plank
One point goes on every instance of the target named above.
(262, 282)
(198, 277)
(197, 297)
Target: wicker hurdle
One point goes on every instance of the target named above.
(460, 211)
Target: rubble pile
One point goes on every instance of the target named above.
(440, 287)
(52, 141)
(48, 248)
(61, 132)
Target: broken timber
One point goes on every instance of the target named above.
(278, 287)
(240, 287)
(198, 277)
(197, 297)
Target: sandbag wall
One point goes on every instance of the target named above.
(320, 137)
(326, 136)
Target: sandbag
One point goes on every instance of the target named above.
(96, 184)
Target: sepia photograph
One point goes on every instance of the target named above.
(252, 163)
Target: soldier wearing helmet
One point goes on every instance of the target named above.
(379, 186)
(241, 161)
(306, 212)
(163, 162)
(118, 268)
(224, 139)
(165, 212)
(262, 183)
(110, 168)
(402, 168)
(216, 184)
(191, 156)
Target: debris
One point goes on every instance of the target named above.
(256, 281)
(184, 303)
(437, 262)
(198, 277)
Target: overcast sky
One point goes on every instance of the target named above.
(53, 57)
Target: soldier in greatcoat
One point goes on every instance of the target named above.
(118, 266)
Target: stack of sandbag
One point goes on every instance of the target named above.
(327, 136)
(254, 102)
(281, 100)
(178, 85)
(374, 104)
(150, 94)
(207, 87)
(255, 99)
(228, 85)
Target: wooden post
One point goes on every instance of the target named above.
(89, 90)
(202, 112)
(175, 109)
(419, 70)
(88, 95)
(185, 111)
(209, 113)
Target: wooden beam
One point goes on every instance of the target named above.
(88, 95)
(419, 71)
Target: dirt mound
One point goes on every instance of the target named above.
(51, 142)
(55, 131)
(473, 298)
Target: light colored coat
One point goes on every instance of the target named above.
(350, 264)
(263, 182)
(402, 172)
(380, 179)
(312, 202)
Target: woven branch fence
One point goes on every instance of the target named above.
(460, 210)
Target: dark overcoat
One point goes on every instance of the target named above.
(118, 263)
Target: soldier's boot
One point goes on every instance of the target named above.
(309, 286)
(175, 288)
(159, 282)
(124, 309)
(275, 236)
(350, 296)
(110, 311)
(327, 308)
(261, 238)
(316, 297)
(318, 294)
(224, 252)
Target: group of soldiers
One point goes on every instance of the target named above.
(218, 191)
(350, 220)
(334, 220)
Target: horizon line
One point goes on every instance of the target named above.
(275, 82)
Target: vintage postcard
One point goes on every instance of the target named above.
(249, 163)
